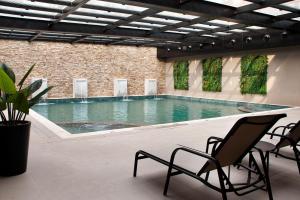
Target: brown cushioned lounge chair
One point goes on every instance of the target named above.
(290, 136)
(239, 141)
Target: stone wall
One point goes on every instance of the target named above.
(100, 64)
(282, 85)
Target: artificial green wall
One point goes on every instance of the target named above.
(254, 74)
(181, 75)
(212, 74)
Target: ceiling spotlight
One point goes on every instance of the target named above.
(179, 48)
(233, 41)
(267, 37)
(200, 45)
(168, 49)
(248, 39)
(190, 46)
(284, 34)
(213, 44)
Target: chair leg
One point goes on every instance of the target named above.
(222, 186)
(266, 174)
(135, 163)
(297, 157)
(168, 179)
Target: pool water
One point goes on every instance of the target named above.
(97, 114)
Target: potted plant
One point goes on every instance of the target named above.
(15, 102)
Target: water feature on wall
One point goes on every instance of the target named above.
(120, 88)
(150, 87)
(80, 89)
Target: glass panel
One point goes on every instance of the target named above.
(92, 18)
(222, 33)
(134, 27)
(103, 12)
(177, 15)
(51, 14)
(255, 27)
(205, 26)
(238, 31)
(292, 4)
(157, 19)
(222, 22)
(147, 24)
(297, 18)
(272, 11)
(86, 23)
(179, 32)
(190, 29)
(173, 42)
(116, 5)
(25, 17)
(208, 35)
(232, 3)
(35, 4)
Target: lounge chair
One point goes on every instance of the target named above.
(290, 136)
(242, 137)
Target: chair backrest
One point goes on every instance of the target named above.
(242, 137)
(293, 136)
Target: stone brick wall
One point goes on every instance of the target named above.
(100, 64)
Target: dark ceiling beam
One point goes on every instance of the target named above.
(39, 33)
(69, 10)
(82, 29)
(134, 17)
(79, 39)
(209, 9)
(221, 48)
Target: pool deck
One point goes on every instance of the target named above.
(99, 167)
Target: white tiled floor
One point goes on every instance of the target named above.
(100, 167)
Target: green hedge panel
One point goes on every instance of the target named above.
(181, 75)
(212, 74)
(254, 74)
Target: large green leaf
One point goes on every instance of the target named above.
(9, 72)
(38, 97)
(6, 84)
(20, 102)
(2, 104)
(33, 87)
(25, 76)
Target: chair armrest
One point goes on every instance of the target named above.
(195, 152)
(289, 126)
(292, 142)
(213, 140)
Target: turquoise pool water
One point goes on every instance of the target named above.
(97, 114)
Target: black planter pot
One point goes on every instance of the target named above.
(14, 141)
